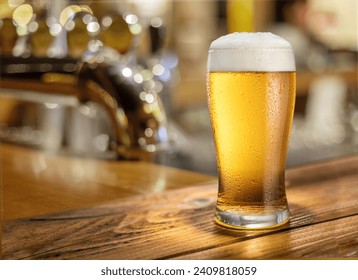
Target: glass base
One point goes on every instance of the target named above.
(238, 221)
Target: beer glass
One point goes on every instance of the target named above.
(251, 85)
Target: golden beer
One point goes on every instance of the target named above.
(251, 114)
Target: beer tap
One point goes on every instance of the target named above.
(135, 111)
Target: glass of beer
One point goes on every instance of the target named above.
(251, 86)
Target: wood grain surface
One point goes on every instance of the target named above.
(178, 224)
(36, 183)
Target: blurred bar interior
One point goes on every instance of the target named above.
(126, 79)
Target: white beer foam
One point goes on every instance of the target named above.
(251, 52)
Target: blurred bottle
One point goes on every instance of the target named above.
(240, 15)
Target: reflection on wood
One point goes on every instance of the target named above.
(36, 183)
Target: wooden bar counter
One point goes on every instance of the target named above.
(57, 207)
